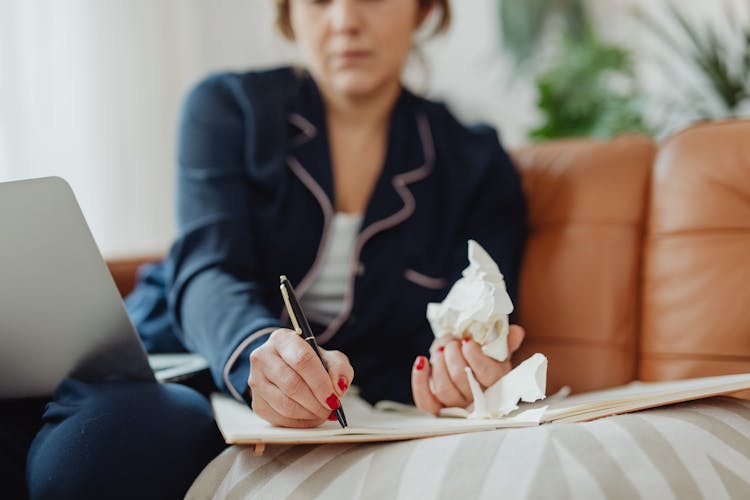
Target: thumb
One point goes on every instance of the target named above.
(339, 369)
(516, 334)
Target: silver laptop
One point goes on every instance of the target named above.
(60, 312)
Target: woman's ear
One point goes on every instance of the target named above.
(425, 7)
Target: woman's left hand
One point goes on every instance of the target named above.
(442, 382)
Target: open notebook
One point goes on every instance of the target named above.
(240, 426)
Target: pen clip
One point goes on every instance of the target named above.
(290, 310)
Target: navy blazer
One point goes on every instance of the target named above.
(255, 199)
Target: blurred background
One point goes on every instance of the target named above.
(90, 90)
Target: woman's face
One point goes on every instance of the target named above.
(354, 48)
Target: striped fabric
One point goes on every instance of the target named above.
(693, 450)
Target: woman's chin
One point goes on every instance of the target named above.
(356, 86)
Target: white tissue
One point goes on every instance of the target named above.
(527, 382)
(477, 306)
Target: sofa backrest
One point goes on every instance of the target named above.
(696, 274)
(580, 280)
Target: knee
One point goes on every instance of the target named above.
(127, 440)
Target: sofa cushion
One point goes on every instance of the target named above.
(579, 288)
(696, 281)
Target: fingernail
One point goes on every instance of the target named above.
(332, 417)
(441, 348)
(421, 362)
(343, 384)
(333, 402)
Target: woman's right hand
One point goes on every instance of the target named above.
(290, 387)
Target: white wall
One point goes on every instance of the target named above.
(91, 90)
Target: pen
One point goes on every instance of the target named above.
(302, 328)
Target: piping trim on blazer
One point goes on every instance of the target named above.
(327, 207)
(307, 129)
(424, 281)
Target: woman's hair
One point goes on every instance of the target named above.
(284, 24)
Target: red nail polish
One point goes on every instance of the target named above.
(441, 348)
(343, 384)
(421, 362)
(463, 341)
(332, 417)
(333, 402)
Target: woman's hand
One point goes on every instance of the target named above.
(290, 387)
(442, 382)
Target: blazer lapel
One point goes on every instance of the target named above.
(409, 158)
(308, 137)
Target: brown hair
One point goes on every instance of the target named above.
(284, 24)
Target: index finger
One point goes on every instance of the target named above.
(420, 387)
(340, 370)
(303, 360)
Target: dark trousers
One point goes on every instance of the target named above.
(110, 440)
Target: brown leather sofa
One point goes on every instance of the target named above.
(637, 264)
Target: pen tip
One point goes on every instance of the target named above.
(341, 418)
(282, 278)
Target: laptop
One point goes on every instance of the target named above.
(60, 312)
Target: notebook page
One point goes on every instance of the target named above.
(639, 395)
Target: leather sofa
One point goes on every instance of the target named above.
(637, 264)
(638, 261)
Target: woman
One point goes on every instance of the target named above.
(363, 194)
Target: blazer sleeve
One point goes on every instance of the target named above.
(214, 296)
(495, 214)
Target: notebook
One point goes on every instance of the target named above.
(239, 425)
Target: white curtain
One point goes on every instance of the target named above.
(90, 90)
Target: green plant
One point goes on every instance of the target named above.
(715, 61)
(589, 91)
(588, 88)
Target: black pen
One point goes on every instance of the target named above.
(302, 328)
